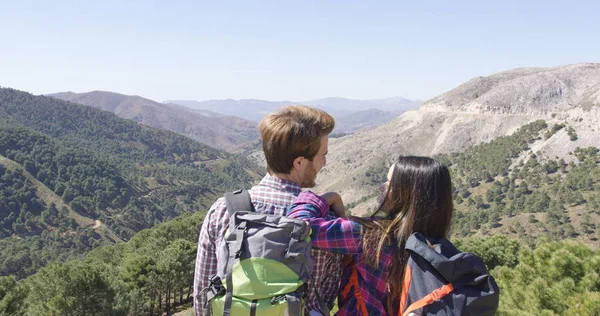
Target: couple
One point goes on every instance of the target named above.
(416, 198)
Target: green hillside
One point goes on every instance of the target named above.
(502, 187)
(73, 178)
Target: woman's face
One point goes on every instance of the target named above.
(383, 188)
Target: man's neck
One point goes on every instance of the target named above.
(288, 177)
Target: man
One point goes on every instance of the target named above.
(295, 142)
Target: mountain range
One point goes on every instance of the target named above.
(232, 124)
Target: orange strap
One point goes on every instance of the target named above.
(405, 286)
(347, 288)
(347, 262)
(432, 297)
(360, 303)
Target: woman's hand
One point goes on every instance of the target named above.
(335, 203)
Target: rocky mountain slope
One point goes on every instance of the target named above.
(224, 132)
(480, 110)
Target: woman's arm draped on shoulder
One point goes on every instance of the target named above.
(335, 203)
(340, 235)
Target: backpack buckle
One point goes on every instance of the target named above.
(277, 299)
(215, 279)
(215, 288)
(291, 255)
(243, 226)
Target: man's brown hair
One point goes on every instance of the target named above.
(291, 132)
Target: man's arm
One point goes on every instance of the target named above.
(206, 262)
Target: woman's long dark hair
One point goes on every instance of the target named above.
(418, 199)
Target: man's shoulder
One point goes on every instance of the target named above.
(217, 210)
(262, 197)
(219, 204)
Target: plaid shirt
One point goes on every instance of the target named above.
(271, 196)
(343, 236)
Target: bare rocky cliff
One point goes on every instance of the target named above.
(527, 91)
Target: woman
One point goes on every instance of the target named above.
(417, 197)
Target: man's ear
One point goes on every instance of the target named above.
(298, 162)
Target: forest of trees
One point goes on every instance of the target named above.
(64, 166)
(553, 278)
(151, 274)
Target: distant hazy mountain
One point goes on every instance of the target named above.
(351, 115)
(363, 120)
(249, 109)
(343, 106)
(208, 113)
(211, 128)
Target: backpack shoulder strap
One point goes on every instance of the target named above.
(238, 201)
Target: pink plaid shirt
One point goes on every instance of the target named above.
(271, 196)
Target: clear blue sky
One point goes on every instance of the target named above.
(285, 50)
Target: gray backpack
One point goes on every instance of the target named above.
(263, 263)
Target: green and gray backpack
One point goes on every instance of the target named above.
(263, 263)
